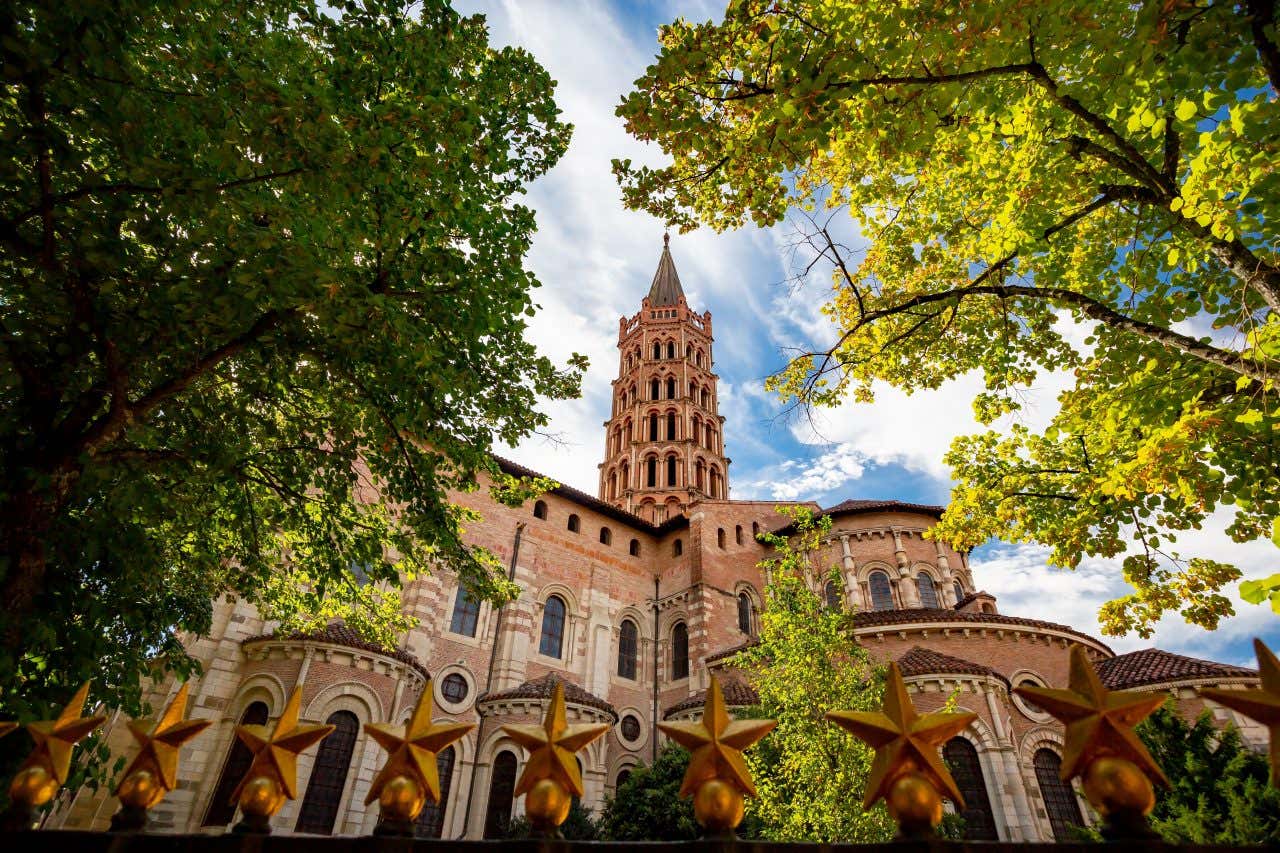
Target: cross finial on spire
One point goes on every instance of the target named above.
(666, 238)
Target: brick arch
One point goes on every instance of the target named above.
(565, 593)
(259, 687)
(635, 614)
(352, 695)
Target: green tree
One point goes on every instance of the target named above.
(264, 303)
(1221, 792)
(648, 806)
(809, 774)
(579, 825)
(1019, 169)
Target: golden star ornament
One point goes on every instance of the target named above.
(275, 754)
(716, 743)
(1262, 704)
(161, 741)
(1099, 722)
(552, 746)
(411, 753)
(905, 743)
(48, 765)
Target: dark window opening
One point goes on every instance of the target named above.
(430, 822)
(962, 759)
(737, 534)
(653, 427)
(630, 728)
(671, 426)
(671, 470)
(1059, 798)
(328, 776)
(623, 776)
(540, 510)
(651, 474)
(832, 594)
(606, 536)
(574, 523)
(553, 613)
(928, 593)
(454, 688)
(671, 389)
(679, 651)
(677, 548)
(744, 613)
(720, 537)
(466, 613)
(221, 807)
(881, 592)
(634, 548)
(502, 788)
(628, 643)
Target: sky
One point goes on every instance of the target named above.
(596, 259)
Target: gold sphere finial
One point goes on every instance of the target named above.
(410, 778)
(907, 773)
(717, 778)
(552, 747)
(273, 776)
(1101, 746)
(47, 767)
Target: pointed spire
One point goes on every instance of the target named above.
(665, 289)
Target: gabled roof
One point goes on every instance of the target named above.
(544, 687)
(1155, 666)
(922, 661)
(515, 469)
(665, 289)
(855, 506)
(338, 634)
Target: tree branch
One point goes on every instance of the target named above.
(1262, 14)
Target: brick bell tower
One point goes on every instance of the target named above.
(664, 444)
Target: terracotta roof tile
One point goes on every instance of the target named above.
(1154, 666)
(542, 688)
(737, 694)
(887, 618)
(339, 634)
(922, 661)
(855, 506)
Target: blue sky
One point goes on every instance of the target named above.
(596, 259)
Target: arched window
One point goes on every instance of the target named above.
(671, 349)
(466, 612)
(606, 536)
(962, 759)
(744, 613)
(959, 590)
(679, 652)
(677, 548)
(613, 484)
(881, 592)
(623, 775)
(574, 524)
(928, 594)
(634, 548)
(671, 426)
(540, 510)
(697, 358)
(654, 389)
(710, 438)
(328, 775)
(671, 470)
(657, 350)
(651, 475)
(221, 809)
(720, 537)
(706, 399)
(1059, 799)
(831, 593)
(628, 641)
(502, 786)
(700, 475)
(624, 475)
(653, 426)
(552, 642)
(430, 822)
(755, 529)
(671, 388)
(737, 534)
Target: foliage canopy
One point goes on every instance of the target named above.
(264, 301)
(1020, 172)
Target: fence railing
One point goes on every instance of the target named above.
(1100, 747)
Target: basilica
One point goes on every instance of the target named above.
(632, 598)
